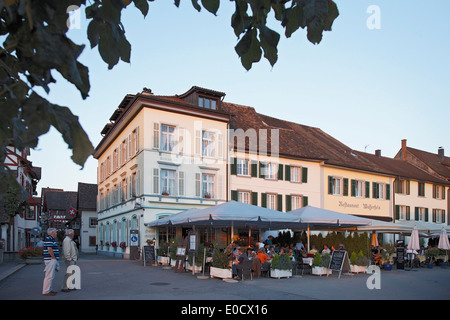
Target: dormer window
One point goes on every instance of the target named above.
(207, 103)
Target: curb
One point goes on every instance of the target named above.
(10, 271)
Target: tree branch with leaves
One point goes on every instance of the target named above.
(36, 45)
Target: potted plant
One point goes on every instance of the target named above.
(207, 195)
(358, 262)
(31, 255)
(122, 245)
(386, 256)
(114, 245)
(281, 266)
(165, 193)
(198, 256)
(220, 267)
(320, 267)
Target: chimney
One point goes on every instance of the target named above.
(441, 153)
(404, 149)
(378, 153)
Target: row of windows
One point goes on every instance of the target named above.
(403, 187)
(124, 152)
(118, 231)
(124, 190)
(358, 188)
(268, 170)
(173, 183)
(420, 214)
(173, 139)
(270, 200)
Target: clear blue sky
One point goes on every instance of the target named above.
(367, 88)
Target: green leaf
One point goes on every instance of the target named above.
(196, 5)
(142, 5)
(269, 42)
(239, 17)
(248, 49)
(39, 115)
(211, 5)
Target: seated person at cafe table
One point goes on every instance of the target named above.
(238, 262)
(313, 250)
(325, 250)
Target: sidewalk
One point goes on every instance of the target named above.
(10, 266)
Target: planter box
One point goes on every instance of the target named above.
(387, 267)
(358, 269)
(34, 260)
(278, 273)
(197, 268)
(430, 265)
(220, 273)
(164, 260)
(319, 271)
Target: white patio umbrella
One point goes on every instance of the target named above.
(443, 241)
(413, 242)
(318, 218)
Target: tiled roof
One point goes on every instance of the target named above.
(61, 200)
(434, 161)
(299, 141)
(87, 196)
(401, 168)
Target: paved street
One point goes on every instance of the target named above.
(104, 278)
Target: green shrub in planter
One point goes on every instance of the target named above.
(353, 258)
(325, 260)
(281, 262)
(362, 260)
(317, 260)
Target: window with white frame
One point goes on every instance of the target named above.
(244, 197)
(208, 185)
(242, 167)
(438, 215)
(379, 190)
(271, 171)
(167, 138)
(296, 174)
(422, 214)
(359, 188)
(296, 202)
(208, 144)
(403, 212)
(336, 188)
(272, 201)
(168, 182)
(438, 192)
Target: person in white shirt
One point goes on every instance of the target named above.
(70, 255)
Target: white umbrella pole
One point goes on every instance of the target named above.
(308, 237)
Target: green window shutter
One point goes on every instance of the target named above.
(255, 198)
(388, 191)
(304, 175)
(233, 166)
(287, 172)
(433, 215)
(374, 190)
(443, 216)
(408, 213)
(397, 212)
(234, 195)
(345, 191)
(426, 214)
(288, 203)
(408, 187)
(330, 185)
(280, 172)
(254, 171)
(416, 214)
(280, 202)
(443, 192)
(353, 182)
(305, 201)
(367, 189)
(262, 169)
(264, 200)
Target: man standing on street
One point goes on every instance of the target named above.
(51, 256)
(70, 254)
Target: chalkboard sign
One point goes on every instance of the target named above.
(339, 261)
(149, 254)
(400, 254)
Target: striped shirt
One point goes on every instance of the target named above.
(49, 242)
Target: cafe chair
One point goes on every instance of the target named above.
(302, 266)
(246, 270)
